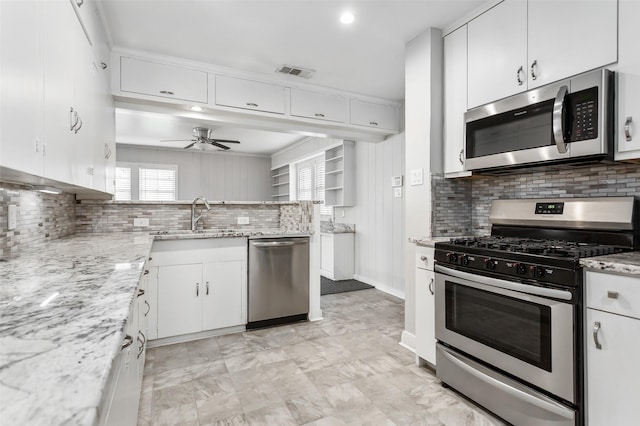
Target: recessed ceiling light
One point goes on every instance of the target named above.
(347, 17)
(196, 108)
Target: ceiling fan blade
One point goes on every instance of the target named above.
(178, 140)
(211, 141)
(224, 141)
(190, 145)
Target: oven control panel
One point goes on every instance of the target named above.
(549, 208)
(509, 268)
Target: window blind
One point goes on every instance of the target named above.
(123, 183)
(305, 183)
(157, 184)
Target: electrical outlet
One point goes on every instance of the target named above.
(416, 177)
(243, 220)
(397, 192)
(13, 217)
(140, 222)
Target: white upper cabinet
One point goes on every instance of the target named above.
(320, 106)
(519, 45)
(248, 94)
(455, 99)
(497, 53)
(628, 74)
(566, 38)
(162, 80)
(21, 86)
(371, 114)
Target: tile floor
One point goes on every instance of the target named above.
(347, 369)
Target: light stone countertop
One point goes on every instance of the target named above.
(431, 241)
(623, 263)
(63, 314)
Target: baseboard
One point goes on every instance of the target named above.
(195, 336)
(408, 341)
(380, 286)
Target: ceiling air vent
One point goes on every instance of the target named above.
(297, 71)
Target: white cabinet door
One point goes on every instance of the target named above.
(168, 81)
(628, 74)
(326, 257)
(371, 114)
(455, 99)
(612, 371)
(247, 94)
(179, 302)
(425, 316)
(497, 53)
(319, 106)
(567, 37)
(222, 301)
(21, 87)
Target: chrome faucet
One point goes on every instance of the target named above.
(194, 219)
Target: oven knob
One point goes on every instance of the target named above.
(490, 264)
(465, 260)
(453, 257)
(521, 269)
(538, 272)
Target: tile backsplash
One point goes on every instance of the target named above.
(461, 206)
(40, 218)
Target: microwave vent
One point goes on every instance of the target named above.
(295, 71)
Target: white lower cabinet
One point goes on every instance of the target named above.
(425, 305)
(197, 286)
(337, 256)
(612, 340)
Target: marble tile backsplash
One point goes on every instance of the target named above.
(461, 205)
(40, 218)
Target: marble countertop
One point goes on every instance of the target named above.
(430, 241)
(327, 227)
(623, 263)
(63, 314)
(226, 233)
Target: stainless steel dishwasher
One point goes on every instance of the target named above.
(278, 281)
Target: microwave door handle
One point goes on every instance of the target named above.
(558, 119)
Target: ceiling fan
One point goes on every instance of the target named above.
(202, 138)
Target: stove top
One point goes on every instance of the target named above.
(542, 247)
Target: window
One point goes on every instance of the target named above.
(310, 182)
(146, 182)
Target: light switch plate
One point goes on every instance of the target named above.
(140, 222)
(243, 220)
(397, 192)
(416, 177)
(396, 181)
(13, 217)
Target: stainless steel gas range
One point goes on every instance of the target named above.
(509, 305)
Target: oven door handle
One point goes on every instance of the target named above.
(508, 285)
(549, 406)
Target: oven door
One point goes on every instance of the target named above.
(514, 327)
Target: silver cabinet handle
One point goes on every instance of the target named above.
(79, 3)
(167, 92)
(319, 115)
(431, 287)
(77, 129)
(627, 129)
(197, 289)
(148, 308)
(423, 258)
(73, 119)
(146, 272)
(460, 157)
(140, 292)
(534, 68)
(373, 123)
(518, 74)
(103, 65)
(596, 328)
(141, 347)
(128, 340)
(612, 294)
(558, 125)
(252, 104)
(207, 288)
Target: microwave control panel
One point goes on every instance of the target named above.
(584, 111)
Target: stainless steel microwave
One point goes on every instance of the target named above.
(570, 120)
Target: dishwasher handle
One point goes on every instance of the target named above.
(277, 243)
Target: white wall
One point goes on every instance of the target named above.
(423, 150)
(217, 177)
(378, 215)
(302, 150)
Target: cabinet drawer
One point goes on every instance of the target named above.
(168, 81)
(424, 257)
(371, 114)
(247, 94)
(617, 294)
(319, 106)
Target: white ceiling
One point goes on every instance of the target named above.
(148, 129)
(366, 57)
